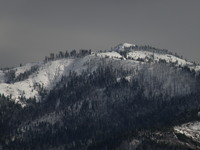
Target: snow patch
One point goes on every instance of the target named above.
(190, 130)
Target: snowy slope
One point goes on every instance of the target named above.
(47, 76)
(153, 55)
(26, 67)
(156, 57)
(112, 54)
(51, 72)
(190, 130)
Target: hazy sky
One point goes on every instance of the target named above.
(31, 29)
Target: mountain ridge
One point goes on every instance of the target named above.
(43, 76)
(139, 98)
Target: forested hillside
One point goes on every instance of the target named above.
(99, 100)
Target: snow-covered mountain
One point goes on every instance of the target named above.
(136, 95)
(45, 75)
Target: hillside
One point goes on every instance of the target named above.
(28, 80)
(130, 97)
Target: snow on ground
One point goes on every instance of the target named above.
(156, 57)
(47, 76)
(190, 130)
(26, 67)
(196, 68)
(146, 55)
(112, 54)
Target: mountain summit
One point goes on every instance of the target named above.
(123, 47)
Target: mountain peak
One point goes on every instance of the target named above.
(124, 46)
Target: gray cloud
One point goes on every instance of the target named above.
(31, 29)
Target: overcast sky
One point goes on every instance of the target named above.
(31, 29)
